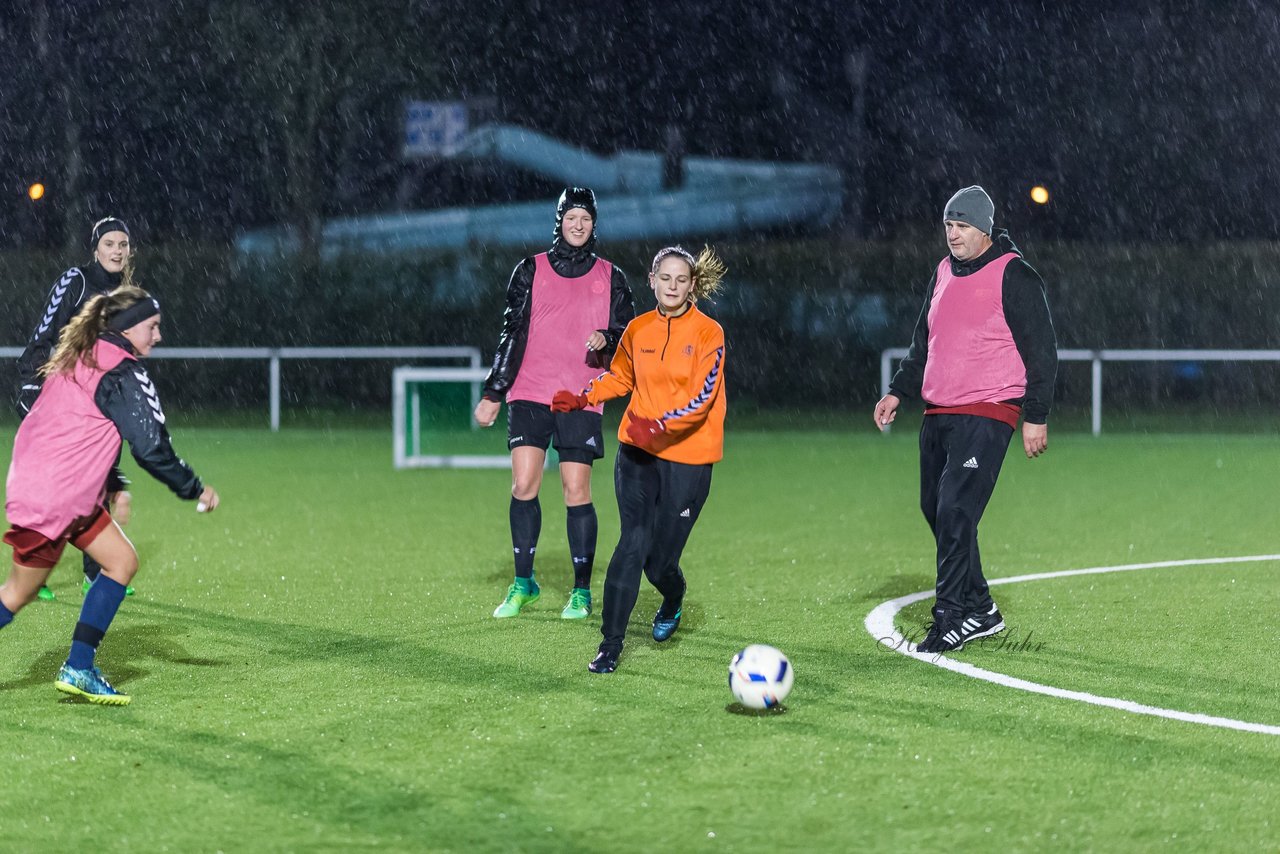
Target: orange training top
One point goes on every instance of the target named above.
(674, 368)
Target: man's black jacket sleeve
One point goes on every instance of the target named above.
(515, 332)
(127, 396)
(909, 378)
(1027, 312)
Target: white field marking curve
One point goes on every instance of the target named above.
(879, 624)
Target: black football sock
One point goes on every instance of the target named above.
(526, 524)
(582, 524)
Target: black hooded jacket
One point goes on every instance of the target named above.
(1026, 312)
(572, 263)
(72, 290)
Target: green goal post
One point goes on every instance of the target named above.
(432, 420)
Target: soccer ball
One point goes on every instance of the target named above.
(760, 676)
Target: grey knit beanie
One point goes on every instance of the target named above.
(971, 205)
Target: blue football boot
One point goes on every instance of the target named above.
(667, 620)
(90, 684)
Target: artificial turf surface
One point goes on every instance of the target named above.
(314, 666)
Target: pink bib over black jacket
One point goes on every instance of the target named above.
(984, 336)
(71, 438)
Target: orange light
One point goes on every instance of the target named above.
(36, 191)
(1039, 195)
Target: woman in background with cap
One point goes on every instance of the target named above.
(111, 267)
(566, 309)
(95, 394)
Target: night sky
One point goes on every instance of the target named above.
(199, 118)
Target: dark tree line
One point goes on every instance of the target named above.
(197, 118)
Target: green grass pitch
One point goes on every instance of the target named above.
(314, 666)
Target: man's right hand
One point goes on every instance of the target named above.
(1035, 439)
(886, 411)
(487, 412)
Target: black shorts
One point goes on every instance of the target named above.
(578, 436)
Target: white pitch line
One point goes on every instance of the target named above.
(879, 624)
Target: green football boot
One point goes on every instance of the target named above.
(45, 593)
(579, 607)
(523, 591)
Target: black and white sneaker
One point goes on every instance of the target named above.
(941, 632)
(947, 634)
(981, 624)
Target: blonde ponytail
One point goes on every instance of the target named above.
(708, 273)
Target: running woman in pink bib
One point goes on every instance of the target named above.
(96, 393)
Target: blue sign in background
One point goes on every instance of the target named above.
(433, 127)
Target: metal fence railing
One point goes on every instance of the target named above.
(273, 356)
(1097, 357)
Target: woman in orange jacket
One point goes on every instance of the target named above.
(671, 361)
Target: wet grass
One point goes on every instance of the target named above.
(314, 666)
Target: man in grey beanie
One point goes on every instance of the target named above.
(984, 354)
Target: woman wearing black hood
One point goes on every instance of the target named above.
(566, 310)
(112, 266)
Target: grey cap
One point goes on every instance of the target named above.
(971, 205)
